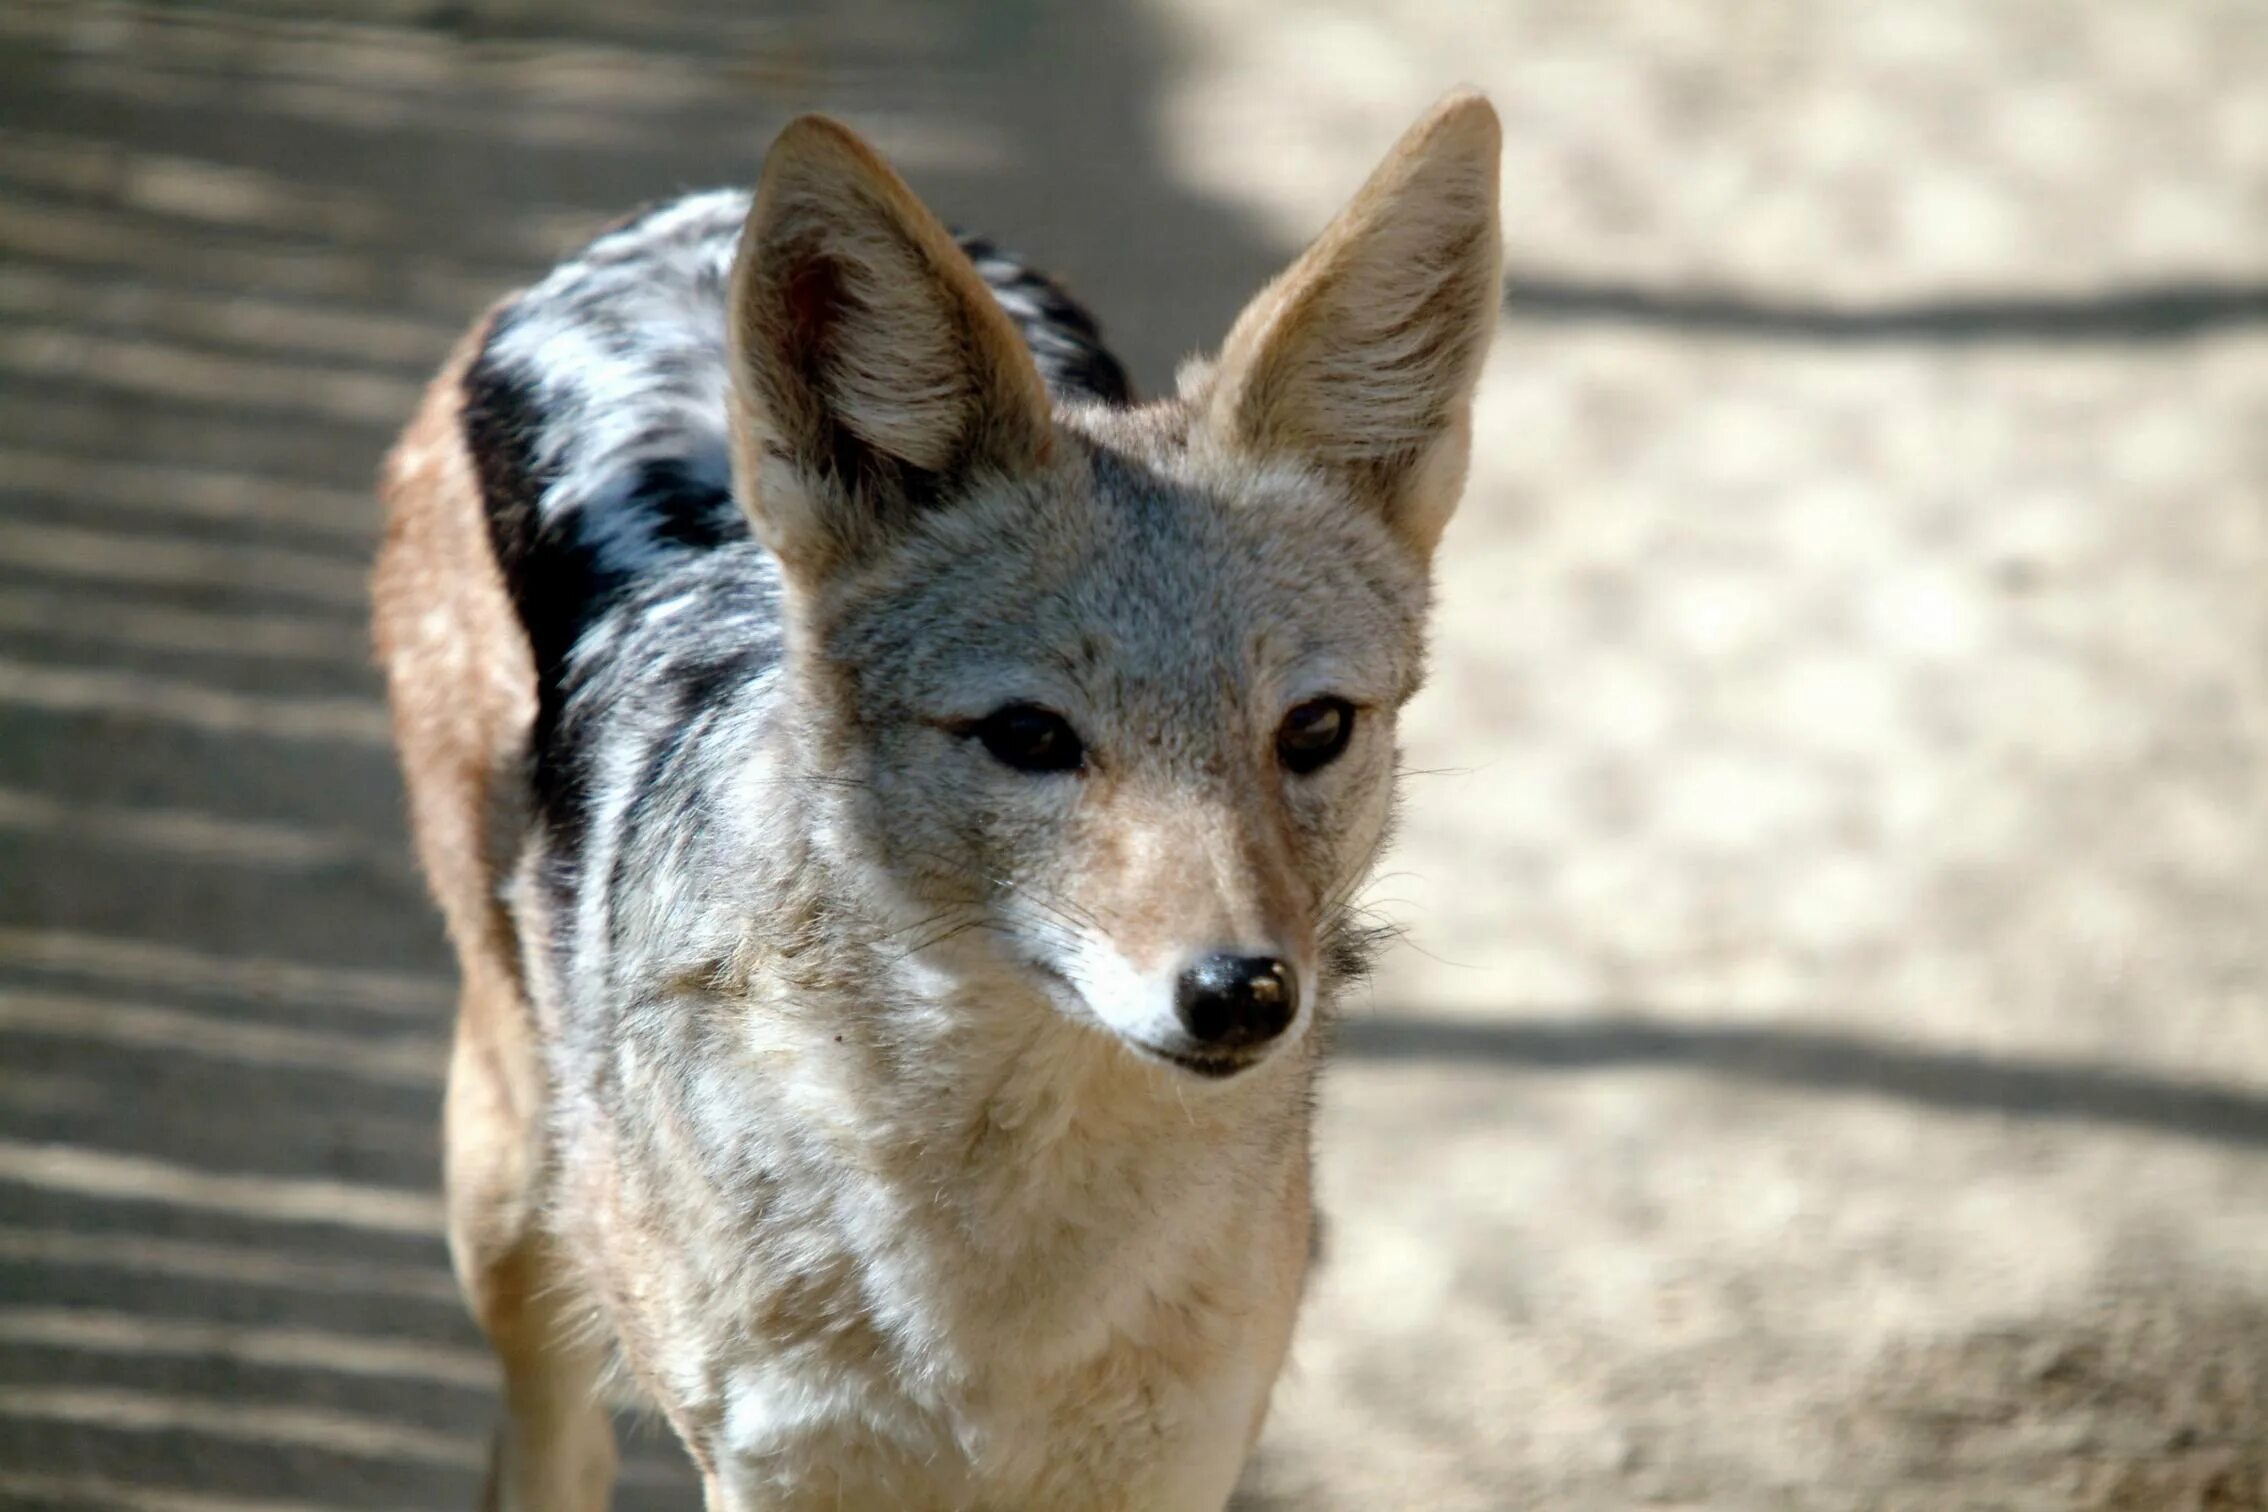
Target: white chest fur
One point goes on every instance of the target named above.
(1030, 1272)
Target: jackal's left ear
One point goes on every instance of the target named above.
(873, 374)
(1361, 358)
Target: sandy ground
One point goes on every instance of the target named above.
(1828, 1066)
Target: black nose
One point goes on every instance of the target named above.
(1231, 1001)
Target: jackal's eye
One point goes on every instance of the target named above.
(1030, 739)
(1314, 733)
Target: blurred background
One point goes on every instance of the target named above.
(1827, 1068)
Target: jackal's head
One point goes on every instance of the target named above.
(1115, 690)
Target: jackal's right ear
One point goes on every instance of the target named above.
(1360, 360)
(873, 374)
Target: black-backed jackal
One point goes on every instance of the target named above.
(896, 801)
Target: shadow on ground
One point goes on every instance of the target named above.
(2170, 311)
(1819, 1060)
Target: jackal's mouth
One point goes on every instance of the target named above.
(1214, 1067)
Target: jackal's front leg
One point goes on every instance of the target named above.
(554, 1451)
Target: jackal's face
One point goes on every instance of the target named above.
(1115, 690)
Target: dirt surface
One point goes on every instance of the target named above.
(1828, 1067)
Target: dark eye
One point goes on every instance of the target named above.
(1030, 739)
(1314, 733)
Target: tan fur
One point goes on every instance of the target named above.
(1362, 356)
(1167, 874)
(1095, 1244)
(463, 693)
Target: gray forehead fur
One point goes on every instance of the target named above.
(1134, 576)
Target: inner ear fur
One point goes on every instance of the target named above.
(1362, 357)
(872, 371)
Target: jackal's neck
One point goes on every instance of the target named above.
(994, 1170)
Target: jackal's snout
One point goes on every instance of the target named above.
(1204, 955)
(1214, 1011)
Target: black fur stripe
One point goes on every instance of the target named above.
(1064, 338)
(566, 570)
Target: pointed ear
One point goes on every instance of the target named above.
(873, 374)
(1361, 358)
